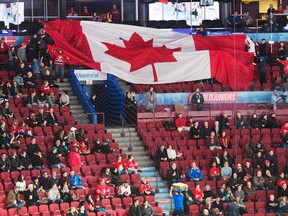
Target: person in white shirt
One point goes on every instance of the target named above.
(21, 183)
(64, 99)
(124, 190)
(171, 153)
(54, 195)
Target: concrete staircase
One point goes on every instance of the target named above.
(145, 163)
(75, 106)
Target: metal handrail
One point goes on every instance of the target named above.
(124, 125)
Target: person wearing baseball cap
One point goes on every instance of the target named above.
(14, 200)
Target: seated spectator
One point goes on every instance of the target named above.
(233, 182)
(224, 140)
(103, 190)
(7, 111)
(194, 173)
(226, 157)
(283, 204)
(64, 99)
(62, 149)
(190, 122)
(241, 205)
(19, 80)
(41, 117)
(72, 211)
(273, 164)
(282, 191)
(205, 130)
(146, 188)
(120, 166)
(248, 169)
(3, 127)
(49, 78)
(226, 171)
(224, 121)
(195, 131)
(75, 181)
(110, 178)
(54, 159)
(213, 142)
(90, 204)
(254, 122)
(263, 121)
(250, 192)
(216, 128)
(214, 172)
(16, 92)
(45, 88)
(229, 195)
(71, 136)
(24, 130)
(5, 165)
(31, 120)
(258, 161)
(234, 20)
(124, 190)
(241, 174)
(207, 204)
(131, 165)
(5, 141)
(21, 183)
(272, 206)
(171, 153)
(218, 204)
(25, 161)
(54, 195)
(63, 179)
(258, 180)
(74, 159)
(53, 179)
(51, 118)
(66, 196)
(32, 100)
(147, 209)
(180, 123)
(239, 192)
(14, 128)
(97, 147)
(240, 121)
(272, 121)
(161, 154)
(259, 147)
(208, 193)
(197, 100)
(42, 100)
(272, 23)
(202, 31)
(29, 81)
(269, 181)
(198, 194)
(222, 192)
(44, 182)
(15, 162)
(282, 178)
(135, 208)
(14, 200)
(35, 154)
(174, 174)
(31, 196)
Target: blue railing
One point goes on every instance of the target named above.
(81, 95)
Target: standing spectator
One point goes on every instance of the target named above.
(35, 154)
(14, 200)
(151, 99)
(71, 136)
(272, 23)
(54, 195)
(3, 54)
(197, 100)
(285, 66)
(85, 11)
(280, 9)
(174, 174)
(12, 58)
(178, 200)
(262, 48)
(282, 51)
(75, 181)
(246, 16)
(275, 98)
(21, 52)
(194, 173)
(180, 123)
(64, 99)
(202, 31)
(36, 67)
(5, 165)
(234, 20)
(146, 188)
(262, 62)
(115, 14)
(74, 159)
(60, 65)
(33, 51)
(284, 134)
(31, 196)
(124, 190)
(161, 154)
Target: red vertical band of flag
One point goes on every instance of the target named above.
(164, 1)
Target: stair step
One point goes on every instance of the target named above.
(119, 135)
(145, 164)
(162, 196)
(147, 174)
(159, 184)
(127, 139)
(148, 168)
(119, 130)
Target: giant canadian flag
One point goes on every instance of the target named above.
(148, 56)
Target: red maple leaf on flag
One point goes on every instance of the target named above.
(140, 53)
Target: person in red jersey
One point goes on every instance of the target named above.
(180, 123)
(145, 188)
(3, 54)
(120, 166)
(284, 135)
(103, 190)
(198, 194)
(131, 165)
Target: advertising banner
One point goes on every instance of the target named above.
(90, 75)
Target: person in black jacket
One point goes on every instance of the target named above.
(41, 117)
(51, 118)
(44, 181)
(54, 159)
(25, 161)
(224, 121)
(197, 100)
(262, 48)
(35, 154)
(174, 174)
(271, 121)
(135, 209)
(5, 165)
(15, 162)
(195, 131)
(31, 196)
(161, 155)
